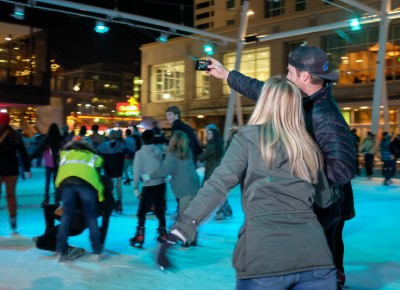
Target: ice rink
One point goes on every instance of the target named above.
(372, 252)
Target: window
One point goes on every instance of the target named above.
(203, 26)
(255, 63)
(274, 8)
(167, 82)
(202, 15)
(203, 5)
(230, 22)
(230, 4)
(301, 5)
(354, 58)
(202, 85)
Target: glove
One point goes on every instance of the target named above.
(137, 193)
(162, 259)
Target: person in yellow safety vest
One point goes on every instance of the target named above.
(78, 182)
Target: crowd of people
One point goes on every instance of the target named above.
(294, 162)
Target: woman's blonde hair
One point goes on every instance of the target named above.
(279, 111)
(179, 145)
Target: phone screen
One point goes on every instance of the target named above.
(201, 65)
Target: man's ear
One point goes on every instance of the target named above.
(305, 76)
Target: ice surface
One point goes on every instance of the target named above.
(372, 257)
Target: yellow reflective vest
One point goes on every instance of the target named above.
(82, 164)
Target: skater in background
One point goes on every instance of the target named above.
(48, 240)
(50, 147)
(148, 159)
(178, 163)
(11, 145)
(78, 178)
(96, 138)
(281, 242)
(130, 150)
(395, 149)
(368, 148)
(211, 157)
(113, 152)
(173, 116)
(387, 158)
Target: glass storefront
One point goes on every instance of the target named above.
(255, 63)
(353, 55)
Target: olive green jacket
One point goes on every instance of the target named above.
(280, 234)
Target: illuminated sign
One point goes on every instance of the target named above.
(129, 108)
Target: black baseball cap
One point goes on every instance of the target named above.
(313, 60)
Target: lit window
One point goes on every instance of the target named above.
(167, 79)
(255, 63)
(202, 84)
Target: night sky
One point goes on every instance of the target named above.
(73, 42)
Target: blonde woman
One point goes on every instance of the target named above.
(281, 243)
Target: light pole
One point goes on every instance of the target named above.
(234, 98)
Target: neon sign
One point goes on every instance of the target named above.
(129, 108)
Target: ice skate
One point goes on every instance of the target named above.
(162, 235)
(138, 240)
(74, 252)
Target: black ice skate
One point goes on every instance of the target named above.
(138, 240)
(162, 235)
(74, 252)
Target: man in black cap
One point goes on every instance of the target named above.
(308, 68)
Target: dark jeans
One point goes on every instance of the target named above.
(88, 197)
(152, 194)
(51, 174)
(369, 164)
(389, 169)
(308, 280)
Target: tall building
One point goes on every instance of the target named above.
(24, 71)
(93, 94)
(169, 78)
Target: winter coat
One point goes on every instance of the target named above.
(184, 178)
(79, 162)
(148, 159)
(49, 150)
(384, 145)
(211, 158)
(368, 146)
(113, 153)
(11, 144)
(193, 141)
(324, 122)
(280, 234)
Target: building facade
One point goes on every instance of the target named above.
(91, 94)
(169, 78)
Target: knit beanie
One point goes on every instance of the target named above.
(4, 118)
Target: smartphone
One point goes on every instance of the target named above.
(201, 64)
